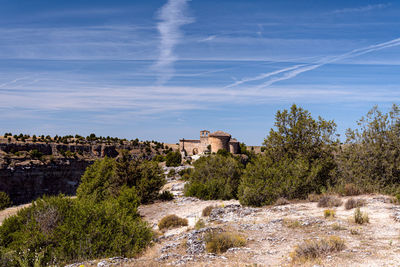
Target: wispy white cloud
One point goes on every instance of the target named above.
(208, 39)
(173, 15)
(262, 76)
(361, 9)
(293, 71)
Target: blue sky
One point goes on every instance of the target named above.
(165, 70)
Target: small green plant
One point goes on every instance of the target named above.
(199, 224)
(171, 221)
(5, 201)
(166, 196)
(207, 211)
(312, 249)
(221, 242)
(329, 214)
(360, 217)
(329, 201)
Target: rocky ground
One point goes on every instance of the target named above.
(272, 233)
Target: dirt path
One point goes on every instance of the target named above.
(11, 211)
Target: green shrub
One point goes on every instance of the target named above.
(171, 173)
(61, 230)
(298, 160)
(360, 217)
(159, 158)
(173, 159)
(166, 196)
(5, 201)
(35, 154)
(214, 177)
(221, 242)
(106, 177)
(329, 201)
(171, 221)
(370, 157)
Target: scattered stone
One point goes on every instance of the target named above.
(231, 212)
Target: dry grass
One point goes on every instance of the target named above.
(338, 227)
(199, 224)
(329, 214)
(329, 201)
(172, 221)
(221, 242)
(360, 217)
(281, 201)
(292, 223)
(313, 197)
(351, 190)
(207, 211)
(354, 203)
(313, 249)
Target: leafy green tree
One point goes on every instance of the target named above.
(173, 159)
(214, 177)
(105, 178)
(298, 160)
(370, 159)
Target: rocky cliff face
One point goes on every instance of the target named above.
(26, 182)
(58, 169)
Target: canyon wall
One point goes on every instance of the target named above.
(24, 183)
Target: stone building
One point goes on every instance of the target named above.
(209, 143)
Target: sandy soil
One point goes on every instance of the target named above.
(11, 211)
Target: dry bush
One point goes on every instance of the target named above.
(207, 211)
(292, 223)
(338, 227)
(172, 221)
(281, 201)
(329, 201)
(351, 190)
(313, 197)
(354, 203)
(354, 231)
(360, 217)
(312, 249)
(47, 219)
(329, 213)
(221, 242)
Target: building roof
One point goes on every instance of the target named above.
(220, 133)
(233, 140)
